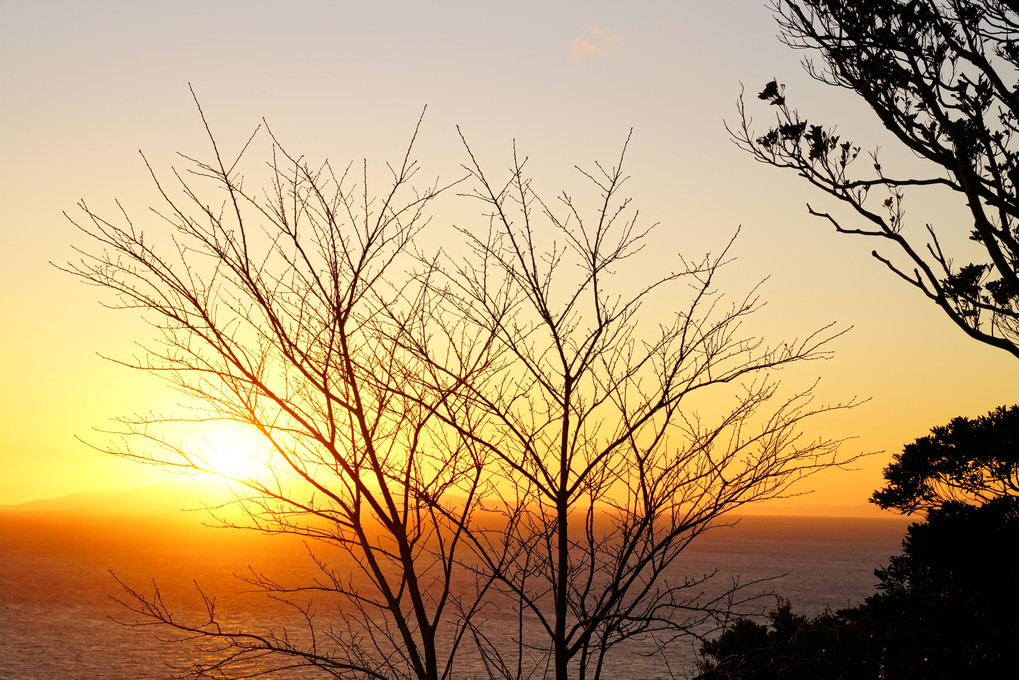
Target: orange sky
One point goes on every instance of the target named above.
(85, 85)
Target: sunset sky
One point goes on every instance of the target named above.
(84, 86)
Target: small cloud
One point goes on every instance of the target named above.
(597, 41)
(581, 48)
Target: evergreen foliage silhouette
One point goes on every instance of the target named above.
(941, 76)
(946, 605)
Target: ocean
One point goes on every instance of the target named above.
(57, 612)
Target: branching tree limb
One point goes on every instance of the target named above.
(941, 76)
(286, 311)
(481, 432)
(604, 472)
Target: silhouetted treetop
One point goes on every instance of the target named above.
(962, 553)
(830, 646)
(942, 78)
(945, 610)
(966, 460)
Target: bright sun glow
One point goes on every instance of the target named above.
(233, 451)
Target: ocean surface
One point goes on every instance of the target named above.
(58, 616)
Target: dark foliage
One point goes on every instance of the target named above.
(941, 75)
(966, 460)
(946, 610)
(948, 602)
(827, 647)
(946, 606)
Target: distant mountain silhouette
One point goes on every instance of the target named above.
(180, 497)
(171, 512)
(164, 498)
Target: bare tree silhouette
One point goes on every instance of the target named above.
(605, 475)
(494, 434)
(283, 310)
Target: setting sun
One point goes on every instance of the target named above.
(231, 450)
(533, 340)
